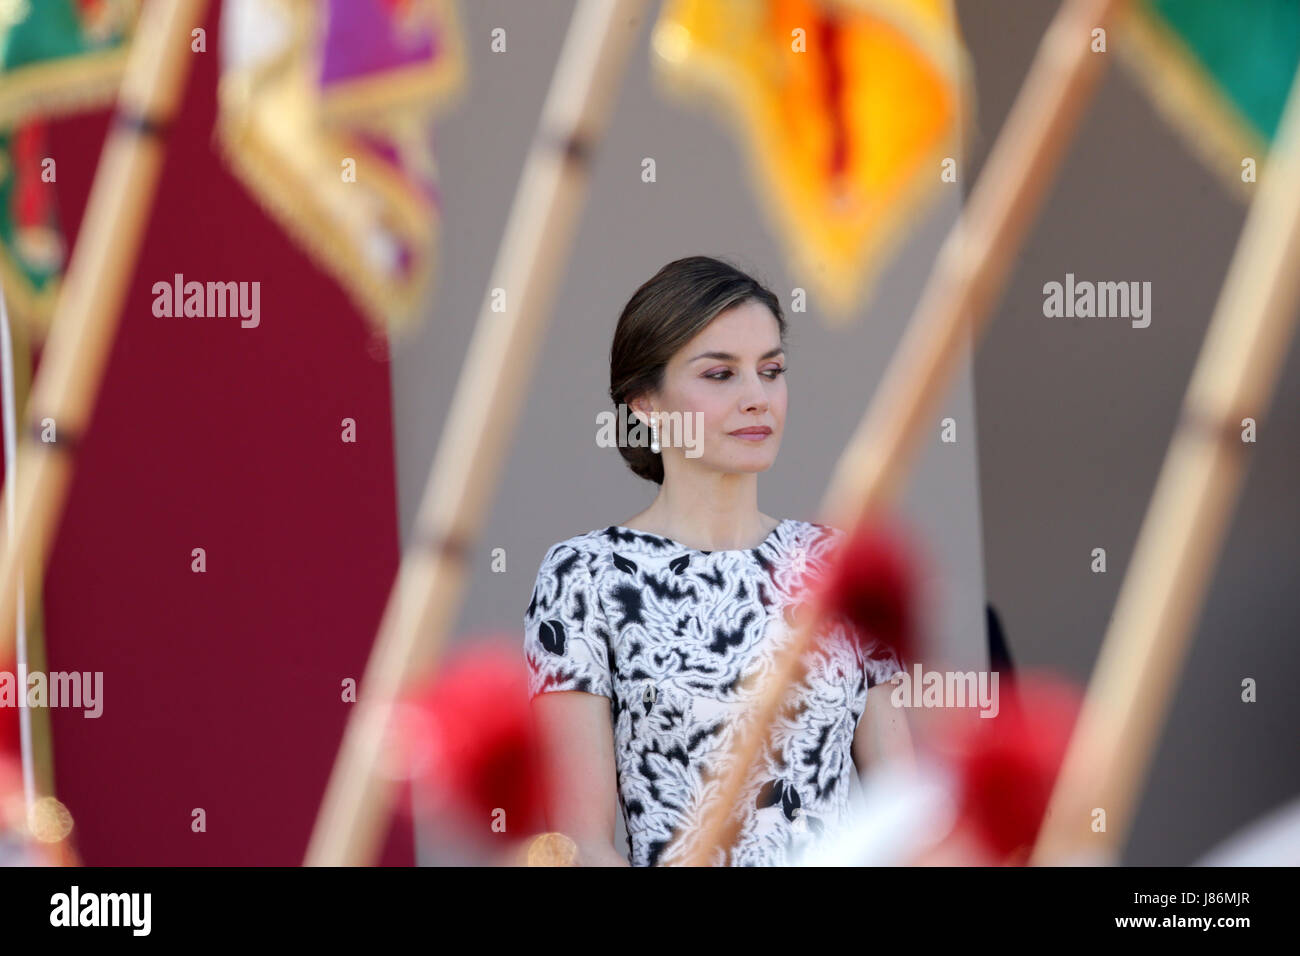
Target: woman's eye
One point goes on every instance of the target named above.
(724, 374)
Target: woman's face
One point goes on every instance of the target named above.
(732, 375)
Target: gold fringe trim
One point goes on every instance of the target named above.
(33, 308)
(59, 87)
(388, 304)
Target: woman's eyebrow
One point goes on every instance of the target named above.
(728, 357)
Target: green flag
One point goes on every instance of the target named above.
(1220, 71)
(32, 249)
(56, 57)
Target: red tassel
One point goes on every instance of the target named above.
(871, 581)
(12, 802)
(33, 197)
(470, 739)
(10, 739)
(1007, 765)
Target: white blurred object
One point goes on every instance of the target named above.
(16, 851)
(252, 32)
(1272, 840)
(899, 814)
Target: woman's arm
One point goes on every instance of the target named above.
(579, 743)
(882, 735)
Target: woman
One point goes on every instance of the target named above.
(646, 640)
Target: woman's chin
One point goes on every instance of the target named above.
(752, 464)
(744, 461)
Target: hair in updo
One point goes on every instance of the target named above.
(662, 316)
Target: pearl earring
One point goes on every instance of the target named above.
(654, 435)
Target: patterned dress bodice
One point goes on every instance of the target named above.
(680, 640)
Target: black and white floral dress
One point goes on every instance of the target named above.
(679, 640)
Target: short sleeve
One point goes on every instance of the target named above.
(566, 640)
(880, 663)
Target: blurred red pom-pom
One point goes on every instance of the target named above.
(12, 803)
(468, 741)
(10, 741)
(871, 581)
(1007, 764)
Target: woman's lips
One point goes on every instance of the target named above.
(751, 434)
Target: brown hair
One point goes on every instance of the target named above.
(665, 313)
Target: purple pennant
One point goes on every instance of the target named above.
(365, 37)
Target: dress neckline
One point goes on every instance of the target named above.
(771, 535)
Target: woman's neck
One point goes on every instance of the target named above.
(709, 523)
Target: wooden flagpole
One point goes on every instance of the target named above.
(1166, 583)
(90, 303)
(426, 595)
(967, 279)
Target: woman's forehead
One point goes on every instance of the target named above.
(739, 333)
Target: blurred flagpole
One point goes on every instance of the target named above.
(963, 287)
(492, 386)
(1166, 582)
(90, 303)
(11, 468)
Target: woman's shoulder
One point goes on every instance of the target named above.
(814, 534)
(586, 543)
(811, 536)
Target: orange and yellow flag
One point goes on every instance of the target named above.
(853, 113)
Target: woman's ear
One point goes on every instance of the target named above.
(641, 409)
